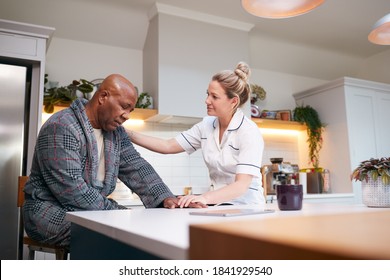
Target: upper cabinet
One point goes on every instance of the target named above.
(23, 40)
(179, 58)
(356, 116)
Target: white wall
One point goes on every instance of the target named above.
(376, 68)
(280, 87)
(282, 56)
(69, 60)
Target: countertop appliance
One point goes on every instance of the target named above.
(279, 173)
(13, 143)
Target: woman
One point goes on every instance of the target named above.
(231, 143)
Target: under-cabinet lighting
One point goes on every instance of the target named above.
(45, 117)
(274, 131)
(133, 122)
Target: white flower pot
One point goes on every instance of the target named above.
(375, 194)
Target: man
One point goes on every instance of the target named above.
(79, 154)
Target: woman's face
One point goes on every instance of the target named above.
(218, 103)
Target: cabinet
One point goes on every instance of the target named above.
(356, 116)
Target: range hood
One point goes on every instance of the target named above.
(183, 50)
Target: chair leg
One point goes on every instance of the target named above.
(31, 253)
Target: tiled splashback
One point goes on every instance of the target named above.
(180, 170)
(284, 146)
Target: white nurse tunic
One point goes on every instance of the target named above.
(240, 151)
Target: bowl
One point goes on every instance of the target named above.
(276, 160)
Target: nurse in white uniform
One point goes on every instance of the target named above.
(231, 143)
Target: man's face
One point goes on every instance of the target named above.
(116, 108)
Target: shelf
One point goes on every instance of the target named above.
(278, 124)
(137, 114)
(142, 114)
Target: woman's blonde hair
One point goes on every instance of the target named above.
(235, 83)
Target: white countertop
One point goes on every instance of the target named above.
(165, 232)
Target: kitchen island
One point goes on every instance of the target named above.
(140, 233)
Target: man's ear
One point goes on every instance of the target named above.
(103, 95)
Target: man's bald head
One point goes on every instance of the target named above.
(112, 103)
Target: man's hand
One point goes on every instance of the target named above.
(172, 202)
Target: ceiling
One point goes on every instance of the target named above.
(337, 25)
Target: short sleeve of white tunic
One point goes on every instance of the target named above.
(240, 150)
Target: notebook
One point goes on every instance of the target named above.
(232, 212)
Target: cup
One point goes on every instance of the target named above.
(289, 197)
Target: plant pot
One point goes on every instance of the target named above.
(375, 193)
(314, 182)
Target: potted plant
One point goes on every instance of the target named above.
(308, 115)
(65, 95)
(258, 93)
(374, 174)
(144, 101)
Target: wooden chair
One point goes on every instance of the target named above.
(61, 252)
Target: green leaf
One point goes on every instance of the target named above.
(49, 108)
(309, 116)
(85, 88)
(83, 81)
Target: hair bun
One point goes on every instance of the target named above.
(242, 70)
(241, 74)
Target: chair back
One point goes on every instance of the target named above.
(22, 180)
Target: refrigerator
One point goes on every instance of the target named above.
(14, 101)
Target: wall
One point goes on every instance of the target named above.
(282, 56)
(280, 87)
(68, 60)
(376, 68)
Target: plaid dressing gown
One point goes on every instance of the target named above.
(64, 171)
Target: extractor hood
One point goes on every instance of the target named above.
(183, 50)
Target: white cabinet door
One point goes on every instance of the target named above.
(360, 106)
(383, 122)
(368, 122)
